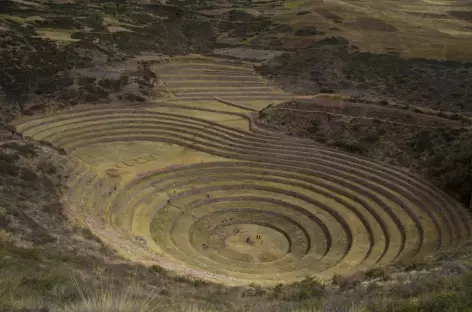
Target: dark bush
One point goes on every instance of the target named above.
(26, 150)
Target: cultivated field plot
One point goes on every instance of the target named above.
(196, 79)
(202, 189)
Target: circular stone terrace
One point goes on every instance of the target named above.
(195, 185)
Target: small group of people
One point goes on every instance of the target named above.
(250, 241)
(205, 246)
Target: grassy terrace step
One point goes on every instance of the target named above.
(310, 226)
(168, 222)
(51, 130)
(215, 84)
(76, 190)
(250, 90)
(202, 172)
(203, 67)
(236, 92)
(337, 189)
(216, 78)
(208, 60)
(204, 136)
(185, 61)
(74, 170)
(197, 261)
(163, 73)
(205, 224)
(208, 78)
(210, 96)
(232, 98)
(166, 138)
(106, 190)
(317, 262)
(246, 136)
(303, 144)
(76, 177)
(70, 137)
(328, 211)
(288, 185)
(89, 192)
(146, 115)
(141, 194)
(287, 262)
(190, 193)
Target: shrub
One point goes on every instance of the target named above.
(378, 272)
(352, 147)
(158, 269)
(95, 20)
(314, 127)
(309, 288)
(8, 165)
(254, 291)
(326, 90)
(416, 266)
(262, 114)
(339, 280)
(85, 80)
(303, 12)
(26, 150)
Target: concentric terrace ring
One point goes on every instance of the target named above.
(273, 208)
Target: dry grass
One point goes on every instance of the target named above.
(106, 299)
(12, 296)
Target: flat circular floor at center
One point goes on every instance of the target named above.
(250, 243)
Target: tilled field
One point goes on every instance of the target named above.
(204, 187)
